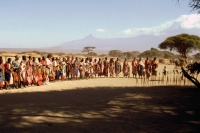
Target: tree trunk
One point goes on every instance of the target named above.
(192, 79)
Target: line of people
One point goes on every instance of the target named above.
(44, 70)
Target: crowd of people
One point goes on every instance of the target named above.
(42, 71)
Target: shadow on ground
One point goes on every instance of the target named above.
(102, 109)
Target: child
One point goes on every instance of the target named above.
(165, 71)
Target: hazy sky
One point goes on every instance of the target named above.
(44, 23)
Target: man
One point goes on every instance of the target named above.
(105, 69)
(134, 67)
(68, 67)
(100, 73)
(72, 69)
(147, 64)
(75, 66)
(15, 74)
(140, 68)
(154, 65)
(117, 67)
(126, 68)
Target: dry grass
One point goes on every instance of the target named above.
(102, 105)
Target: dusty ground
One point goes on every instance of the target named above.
(102, 105)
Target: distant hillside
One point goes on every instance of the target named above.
(137, 43)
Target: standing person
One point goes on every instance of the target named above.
(8, 73)
(100, 73)
(41, 71)
(59, 72)
(111, 67)
(23, 72)
(96, 67)
(29, 71)
(140, 68)
(76, 68)
(35, 74)
(117, 67)
(87, 68)
(154, 65)
(81, 69)
(56, 68)
(63, 69)
(72, 68)
(2, 76)
(105, 69)
(165, 71)
(68, 67)
(147, 64)
(126, 68)
(91, 65)
(15, 74)
(43, 68)
(134, 67)
(49, 69)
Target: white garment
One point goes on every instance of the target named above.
(141, 63)
(48, 62)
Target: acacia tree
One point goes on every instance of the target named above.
(183, 44)
(115, 53)
(88, 49)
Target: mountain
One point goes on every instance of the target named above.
(138, 43)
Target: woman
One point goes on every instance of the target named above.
(22, 72)
(140, 68)
(100, 68)
(15, 74)
(154, 65)
(29, 71)
(1, 73)
(63, 69)
(91, 68)
(49, 69)
(134, 67)
(87, 68)
(111, 67)
(96, 67)
(41, 69)
(76, 68)
(105, 69)
(68, 67)
(8, 73)
(147, 67)
(34, 67)
(117, 67)
(81, 69)
(126, 68)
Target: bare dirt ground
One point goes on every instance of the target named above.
(102, 105)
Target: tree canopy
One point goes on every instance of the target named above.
(183, 44)
(194, 4)
(153, 52)
(128, 54)
(88, 49)
(115, 53)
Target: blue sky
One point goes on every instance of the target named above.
(45, 23)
